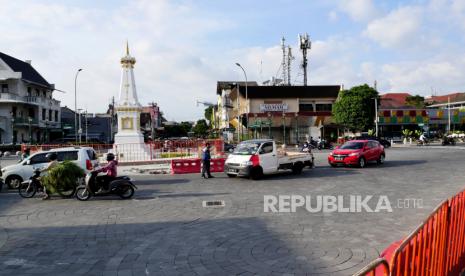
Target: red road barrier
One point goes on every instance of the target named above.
(378, 267)
(436, 247)
(182, 166)
(217, 165)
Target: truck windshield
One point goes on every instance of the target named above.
(246, 148)
(352, 145)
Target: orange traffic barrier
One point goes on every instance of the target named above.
(436, 247)
(182, 166)
(217, 165)
(378, 267)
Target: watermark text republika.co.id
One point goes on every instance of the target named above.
(336, 203)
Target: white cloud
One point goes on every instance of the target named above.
(398, 28)
(333, 16)
(359, 10)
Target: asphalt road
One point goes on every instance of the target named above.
(165, 230)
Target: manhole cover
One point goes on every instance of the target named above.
(214, 203)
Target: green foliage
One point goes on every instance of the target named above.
(371, 132)
(407, 133)
(355, 108)
(201, 128)
(63, 176)
(208, 114)
(178, 130)
(415, 101)
(418, 133)
(174, 154)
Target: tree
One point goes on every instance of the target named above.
(415, 101)
(355, 108)
(208, 113)
(201, 128)
(177, 130)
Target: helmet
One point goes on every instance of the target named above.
(51, 156)
(110, 157)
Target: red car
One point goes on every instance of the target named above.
(358, 153)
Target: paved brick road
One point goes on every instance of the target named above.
(166, 231)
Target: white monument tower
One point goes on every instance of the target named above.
(129, 141)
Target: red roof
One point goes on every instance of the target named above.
(454, 97)
(393, 100)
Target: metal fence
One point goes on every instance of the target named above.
(157, 150)
(436, 247)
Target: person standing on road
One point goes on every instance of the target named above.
(206, 158)
(26, 154)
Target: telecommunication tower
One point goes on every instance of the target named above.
(305, 44)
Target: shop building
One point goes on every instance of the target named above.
(288, 114)
(439, 113)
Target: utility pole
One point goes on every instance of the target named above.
(448, 114)
(376, 109)
(283, 64)
(305, 44)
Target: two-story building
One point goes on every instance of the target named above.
(288, 114)
(28, 111)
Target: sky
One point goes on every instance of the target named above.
(183, 48)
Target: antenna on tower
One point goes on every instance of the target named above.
(305, 44)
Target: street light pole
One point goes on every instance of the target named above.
(246, 98)
(75, 105)
(80, 128)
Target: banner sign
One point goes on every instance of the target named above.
(273, 107)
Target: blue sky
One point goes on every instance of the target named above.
(184, 47)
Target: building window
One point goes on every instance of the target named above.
(50, 115)
(305, 107)
(29, 92)
(4, 87)
(44, 114)
(44, 93)
(324, 107)
(56, 115)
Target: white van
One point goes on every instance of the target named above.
(84, 157)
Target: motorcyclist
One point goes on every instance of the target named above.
(111, 173)
(306, 147)
(53, 158)
(422, 139)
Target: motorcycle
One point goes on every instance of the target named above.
(29, 188)
(323, 144)
(447, 141)
(121, 186)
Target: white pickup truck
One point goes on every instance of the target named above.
(254, 158)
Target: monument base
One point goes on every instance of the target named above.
(131, 147)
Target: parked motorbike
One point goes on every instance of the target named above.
(323, 144)
(121, 186)
(448, 141)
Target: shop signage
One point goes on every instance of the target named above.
(273, 107)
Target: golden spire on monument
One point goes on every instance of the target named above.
(128, 60)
